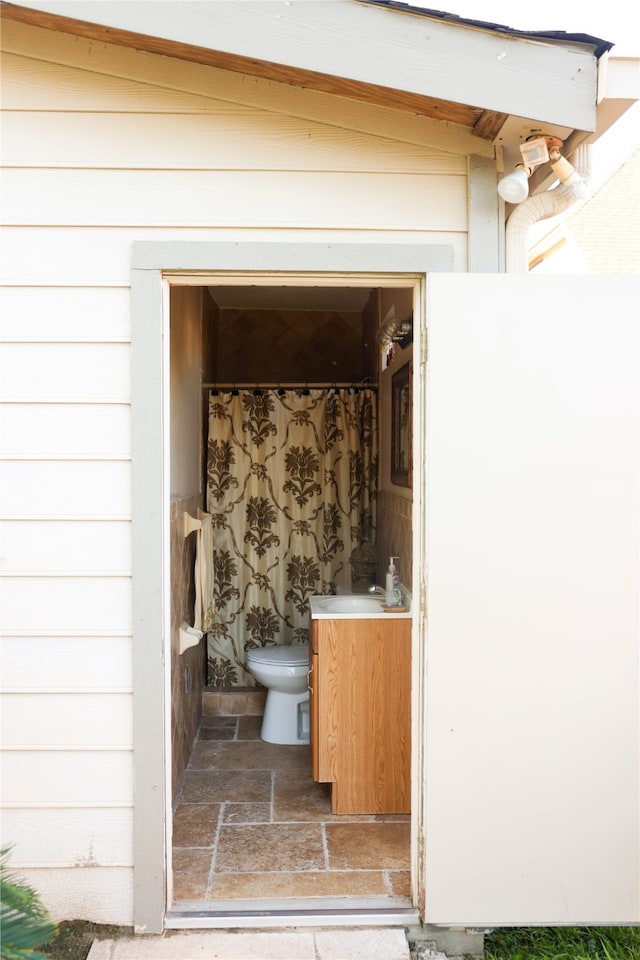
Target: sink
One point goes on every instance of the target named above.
(356, 606)
(350, 604)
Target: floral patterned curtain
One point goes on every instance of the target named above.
(291, 488)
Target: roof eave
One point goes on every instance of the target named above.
(363, 50)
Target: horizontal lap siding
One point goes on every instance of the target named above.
(67, 429)
(86, 836)
(101, 893)
(68, 663)
(79, 313)
(67, 669)
(97, 158)
(95, 721)
(34, 603)
(65, 371)
(232, 198)
(88, 547)
(55, 489)
(209, 142)
(73, 778)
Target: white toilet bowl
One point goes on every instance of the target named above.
(283, 671)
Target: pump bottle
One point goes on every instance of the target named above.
(392, 585)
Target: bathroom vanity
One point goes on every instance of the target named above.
(360, 704)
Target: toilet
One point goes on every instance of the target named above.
(283, 671)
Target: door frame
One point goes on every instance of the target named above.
(154, 267)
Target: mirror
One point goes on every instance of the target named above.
(401, 427)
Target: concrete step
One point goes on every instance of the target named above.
(335, 944)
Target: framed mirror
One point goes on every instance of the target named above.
(401, 427)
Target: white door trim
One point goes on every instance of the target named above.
(193, 262)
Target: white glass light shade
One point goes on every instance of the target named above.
(514, 188)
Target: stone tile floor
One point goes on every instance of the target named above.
(250, 823)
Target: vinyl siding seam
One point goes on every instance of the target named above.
(47, 340)
(66, 805)
(59, 284)
(62, 634)
(54, 691)
(68, 748)
(66, 574)
(66, 457)
(81, 517)
(74, 864)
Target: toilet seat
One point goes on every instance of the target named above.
(284, 656)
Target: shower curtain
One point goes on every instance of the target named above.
(291, 488)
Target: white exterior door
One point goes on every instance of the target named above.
(531, 793)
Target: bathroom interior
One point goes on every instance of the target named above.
(253, 822)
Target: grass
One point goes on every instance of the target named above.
(563, 943)
(507, 943)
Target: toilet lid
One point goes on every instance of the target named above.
(292, 656)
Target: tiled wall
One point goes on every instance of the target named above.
(288, 346)
(188, 670)
(395, 535)
(239, 702)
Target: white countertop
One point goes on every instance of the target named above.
(353, 606)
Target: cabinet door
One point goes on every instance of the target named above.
(313, 700)
(373, 708)
(326, 670)
(364, 697)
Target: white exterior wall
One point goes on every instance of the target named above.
(103, 147)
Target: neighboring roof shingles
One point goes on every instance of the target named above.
(600, 46)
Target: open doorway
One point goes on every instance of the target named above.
(157, 510)
(251, 828)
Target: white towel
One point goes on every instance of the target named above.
(205, 606)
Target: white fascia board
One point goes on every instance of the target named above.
(550, 81)
(618, 91)
(619, 78)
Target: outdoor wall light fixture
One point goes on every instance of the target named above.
(514, 187)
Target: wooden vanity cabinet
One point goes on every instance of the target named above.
(360, 712)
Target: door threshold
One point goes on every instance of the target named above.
(325, 912)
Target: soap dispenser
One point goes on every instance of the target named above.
(392, 585)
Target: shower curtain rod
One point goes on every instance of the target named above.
(290, 386)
